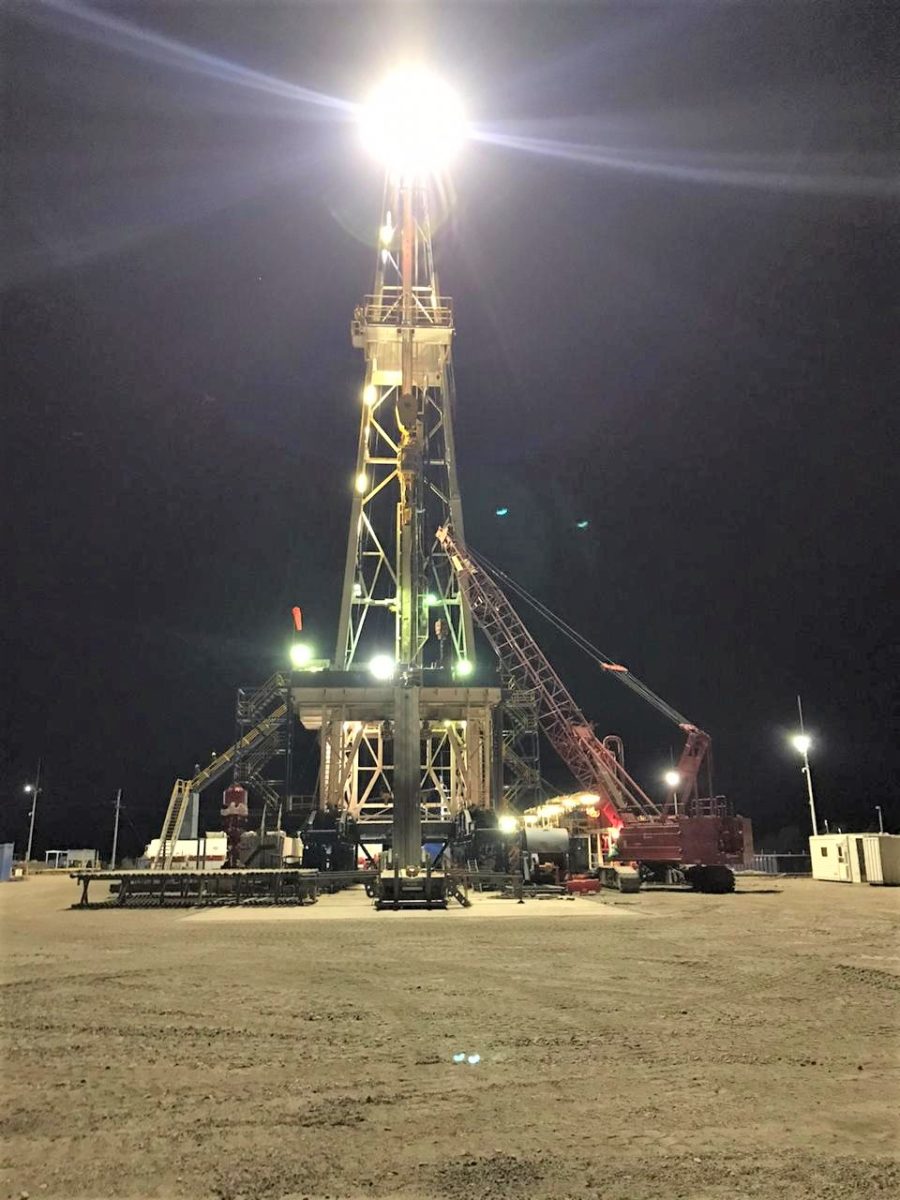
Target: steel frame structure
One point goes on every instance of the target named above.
(416, 759)
(406, 480)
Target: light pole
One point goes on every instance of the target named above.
(673, 779)
(802, 742)
(33, 790)
(115, 845)
(880, 818)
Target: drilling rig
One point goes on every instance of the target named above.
(406, 736)
(416, 747)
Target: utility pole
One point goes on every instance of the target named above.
(34, 789)
(115, 845)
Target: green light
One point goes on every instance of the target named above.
(501, 512)
(464, 668)
(431, 600)
(582, 524)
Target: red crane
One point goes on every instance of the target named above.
(685, 831)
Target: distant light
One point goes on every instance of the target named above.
(357, 589)
(459, 1058)
(301, 655)
(473, 1059)
(386, 234)
(29, 788)
(801, 742)
(507, 823)
(370, 394)
(413, 122)
(672, 778)
(382, 667)
(431, 600)
(362, 483)
(464, 668)
(582, 524)
(501, 512)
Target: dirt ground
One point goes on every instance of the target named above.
(659, 1045)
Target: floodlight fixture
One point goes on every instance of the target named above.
(301, 655)
(413, 121)
(382, 667)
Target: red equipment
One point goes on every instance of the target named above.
(235, 812)
(687, 830)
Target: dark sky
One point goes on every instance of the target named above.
(674, 265)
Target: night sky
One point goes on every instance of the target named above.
(673, 255)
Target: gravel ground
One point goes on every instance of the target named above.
(659, 1045)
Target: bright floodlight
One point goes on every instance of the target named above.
(801, 742)
(507, 823)
(464, 668)
(301, 655)
(672, 778)
(382, 666)
(413, 122)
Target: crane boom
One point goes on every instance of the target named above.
(697, 745)
(562, 721)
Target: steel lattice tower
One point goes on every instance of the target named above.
(400, 594)
(406, 753)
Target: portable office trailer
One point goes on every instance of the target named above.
(856, 857)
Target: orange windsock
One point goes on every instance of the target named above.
(297, 614)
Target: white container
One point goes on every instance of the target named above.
(872, 858)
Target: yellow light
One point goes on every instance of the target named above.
(801, 742)
(507, 823)
(362, 483)
(386, 234)
(464, 668)
(370, 394)
(413, 122)
(672, 778)
(301, 655)
(382, 667)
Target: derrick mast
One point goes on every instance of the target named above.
(407, 742)
(400, 595)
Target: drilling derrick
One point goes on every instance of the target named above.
(406, 739)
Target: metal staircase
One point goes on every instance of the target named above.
(520, 748)
(255, 739)
(250, 768)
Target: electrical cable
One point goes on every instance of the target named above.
(624, 676)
